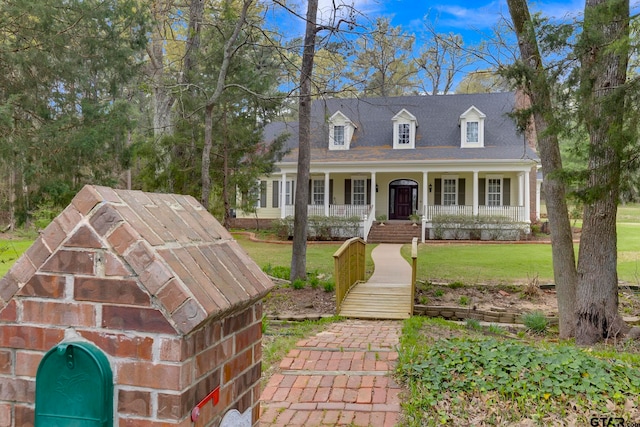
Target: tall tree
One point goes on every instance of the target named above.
(382, 65)
(601, 104)
(441, 59)
(533, 80)
(483, 81)
(299, 255)
(230, 48)
(603, 50)
(64, 72)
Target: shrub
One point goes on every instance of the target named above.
(278, 271)
(535, 321)
(314, 282)
(464, 300)
(282, 227)
(456, 285)
(473, 324)
(438, 293)
(329, 286)
(298, 284)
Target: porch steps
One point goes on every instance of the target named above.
(394, 232)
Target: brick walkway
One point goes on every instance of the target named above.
(338, 377)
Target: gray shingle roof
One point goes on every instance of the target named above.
(437, 134)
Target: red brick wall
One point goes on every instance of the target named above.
(159, 378)
(86, 293)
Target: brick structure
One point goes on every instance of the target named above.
(159, 286)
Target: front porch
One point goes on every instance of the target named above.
(494, 195)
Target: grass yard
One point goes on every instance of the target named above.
(509, 263)
(10, 251)
(319, 256)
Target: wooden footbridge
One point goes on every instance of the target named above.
(390, 291)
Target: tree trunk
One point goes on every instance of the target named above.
(161, 99)
(226, 221)
(603, 57)
(229, 50)
(299, 256)
(206, 156)
(539, 93)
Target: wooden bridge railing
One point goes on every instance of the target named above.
(349, 267)
(414, 270)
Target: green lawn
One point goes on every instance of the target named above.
(10, 251)
(319, 255)
(468, 263)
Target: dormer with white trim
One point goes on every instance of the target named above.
(404, 130)
(472, 128)
(341, 130)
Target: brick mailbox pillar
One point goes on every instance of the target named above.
(155, 283)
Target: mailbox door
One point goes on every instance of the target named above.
(74, 387)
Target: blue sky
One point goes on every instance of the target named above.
(475, 20)
(462, 16)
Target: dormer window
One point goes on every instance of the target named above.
(472, 132)
(472, 128)
(338, 135)
(340, 131)
(404, 130)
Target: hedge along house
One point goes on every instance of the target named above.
(413, 155)
(154, 286)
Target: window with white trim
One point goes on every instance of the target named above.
(260, 193)
(318, 192)
(472, 128)
(358, 191)
(341, 130)
(404, 134)
(494, 191)
(289, 191)
(338, 135)
(449, 191)
(404, 130)
(472, 132)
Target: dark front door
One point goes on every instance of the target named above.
(403, 203)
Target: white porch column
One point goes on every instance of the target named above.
(520, 189)
(326, 194)
(373, 193)
(527, 199)
(283, 195)
(425, 192)
(538, 189)
(475, 193)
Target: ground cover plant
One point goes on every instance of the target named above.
(458, 375)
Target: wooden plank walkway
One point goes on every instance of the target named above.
(378, 301)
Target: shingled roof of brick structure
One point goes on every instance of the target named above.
(165, 252)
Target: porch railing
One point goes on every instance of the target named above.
(349, 263)
(514, 213)
(344, 211)
(367, 223)
(435, 210)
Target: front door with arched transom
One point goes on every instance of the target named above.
(403, 198)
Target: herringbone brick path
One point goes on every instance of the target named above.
(341, 376)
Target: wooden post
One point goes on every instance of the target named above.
(414, 268)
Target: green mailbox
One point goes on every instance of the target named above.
(74, 387)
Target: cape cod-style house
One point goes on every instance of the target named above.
(401, 157)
